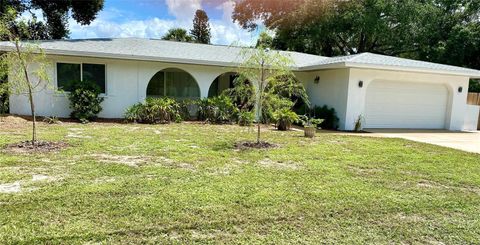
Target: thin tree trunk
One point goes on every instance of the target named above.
(34, 121)
(30, 94)
(258, 133)
(259, 101)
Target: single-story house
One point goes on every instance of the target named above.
(388, 92)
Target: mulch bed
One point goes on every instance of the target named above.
(254, 145)
(40, 146)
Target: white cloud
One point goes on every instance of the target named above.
(107, 24)
(183, 9)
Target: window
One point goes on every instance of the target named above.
(68, 73)
(173, 83)
(94, 73)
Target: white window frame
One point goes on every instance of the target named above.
(81, 74)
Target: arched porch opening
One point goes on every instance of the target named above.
(175, 83)
(221, 83)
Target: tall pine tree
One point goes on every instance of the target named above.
(201, 27)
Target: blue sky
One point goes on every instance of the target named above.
(152, 18)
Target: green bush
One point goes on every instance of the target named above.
(272, 105)
(134, 113)
(246, 118)
(3, 96)
(219, 109)
(474, 86)
(329, 116)
(188, 109)
(85, 101)
(284, 118)
(154, 110)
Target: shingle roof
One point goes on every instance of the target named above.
(192, 53)
(377, 60)
(158, 50)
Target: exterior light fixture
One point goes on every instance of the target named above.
(460, 89)
(360, 84)
(316, 80)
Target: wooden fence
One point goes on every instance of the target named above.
(474, 99)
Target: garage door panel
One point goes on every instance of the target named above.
(406, 105)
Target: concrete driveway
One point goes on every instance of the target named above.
(465, 141)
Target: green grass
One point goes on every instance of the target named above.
(191, 185)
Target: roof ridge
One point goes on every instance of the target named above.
(356, 56)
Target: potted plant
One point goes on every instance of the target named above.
(310, 125)
(285, 118)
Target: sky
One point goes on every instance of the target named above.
(153, 18)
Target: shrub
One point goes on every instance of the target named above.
(358, 126)
(219, 109)
(284, 118)
(310, 121)
(85, 101)
(52, 120)
(154, 110)
(3, 96)
(329, 116)
(272, 105)
(134, 113)
(246, 118)
(188, 109)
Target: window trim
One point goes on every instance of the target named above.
(81, 75)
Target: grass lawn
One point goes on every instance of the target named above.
(184, 183)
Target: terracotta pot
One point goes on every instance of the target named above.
(310, 132)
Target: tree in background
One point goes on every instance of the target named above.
(438, 31)
(201, 27)
(264, 40)
(26, 65)
(56, 14)
(177, 34)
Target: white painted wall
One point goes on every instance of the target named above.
(127, 83)
(456, 107)
(471, 118)
(331, 90)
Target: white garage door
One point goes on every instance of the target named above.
(406, 105)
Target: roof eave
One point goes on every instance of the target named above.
(473, 75)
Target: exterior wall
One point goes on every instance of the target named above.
(471, 118)
(356, 96)
(331, 90)
(126, 84)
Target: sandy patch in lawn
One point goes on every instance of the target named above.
(289, 165)
(45, 178)
(137, 161)
(12, 122)
(132, 161)
(77, 133)
(435, 185)
(17, 186)
(11, 187)
(365, 171)
(104, 179)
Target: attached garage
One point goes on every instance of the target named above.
(391, 104)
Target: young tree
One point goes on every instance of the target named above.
(201, 27)
(27, 66)
(177, 34)
(264, 70)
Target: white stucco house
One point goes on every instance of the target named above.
(387, 92)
